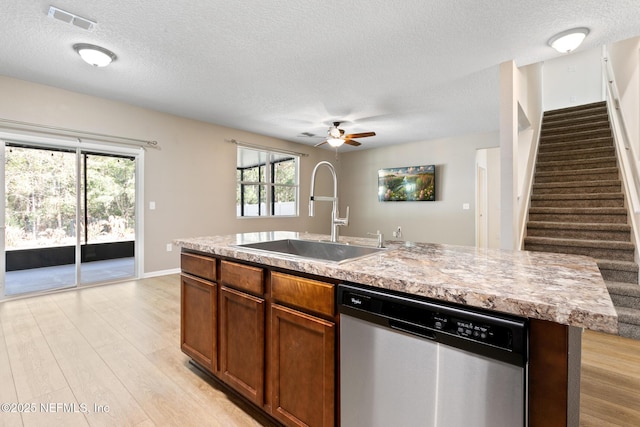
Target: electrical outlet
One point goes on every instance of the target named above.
(398, 233)
(169, 247)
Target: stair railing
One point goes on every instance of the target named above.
(626, 157)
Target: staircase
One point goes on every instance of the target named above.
(578, 207)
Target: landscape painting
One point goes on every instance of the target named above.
(415, 183)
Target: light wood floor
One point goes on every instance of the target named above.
(109, 356)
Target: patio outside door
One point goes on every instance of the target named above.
(69, 217)
(108, 217)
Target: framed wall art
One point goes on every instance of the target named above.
(413, 183)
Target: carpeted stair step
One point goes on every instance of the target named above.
(578, 164)
(583, 231)
(623, 251)
(598, 215)
(624, 294)
(575, 136)
(555, 152)
(576, 144)
(568, 200)
(609, 186)
(618, 271)
(599, 174)
(576, 111)
(600, 124)
(628, 322)
(564, 122)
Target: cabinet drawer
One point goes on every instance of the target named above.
(242, 277)
(198, 265)
(304, 293)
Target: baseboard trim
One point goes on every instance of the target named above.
(161, 273)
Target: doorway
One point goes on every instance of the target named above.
(69, 214)
(488, 198)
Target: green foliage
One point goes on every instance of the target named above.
(284, 177)
(41, 197)
(110, 197)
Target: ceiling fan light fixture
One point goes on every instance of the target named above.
(568, 41)
(335, 142)
(94, 55)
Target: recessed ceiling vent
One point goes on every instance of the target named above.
(71, 18)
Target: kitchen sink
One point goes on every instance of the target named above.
(327, 251)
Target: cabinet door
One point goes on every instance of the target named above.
(198, 302)
(302, 368)
(242, 343)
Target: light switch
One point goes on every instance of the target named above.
(152, 205)
(465, 206)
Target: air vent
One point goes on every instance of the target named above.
(71, 18)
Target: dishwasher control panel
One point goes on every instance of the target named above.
(435, 320)
(473, 330)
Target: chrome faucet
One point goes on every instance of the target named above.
(336, 221)
(380, 237)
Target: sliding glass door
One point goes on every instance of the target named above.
(40, 219)
(70, 217)
(108, 189)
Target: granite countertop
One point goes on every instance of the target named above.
(566, 289)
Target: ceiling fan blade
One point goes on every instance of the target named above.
(360, 135)
(352, 142)
(323, 142)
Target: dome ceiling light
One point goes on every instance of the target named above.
(568, 41)
(94, 55)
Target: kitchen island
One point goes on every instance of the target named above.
(559, 294)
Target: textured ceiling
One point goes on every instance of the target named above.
(410, 70)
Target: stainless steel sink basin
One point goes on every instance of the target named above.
(327, 251)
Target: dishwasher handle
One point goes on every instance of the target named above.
(412, 329)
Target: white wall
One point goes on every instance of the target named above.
(520, 118)
(191, 179)
(624, 58)
(441, 221)
(574, 79)
(509, 119)
(530, 103)
(624, 62)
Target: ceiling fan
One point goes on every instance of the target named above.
(337, 137)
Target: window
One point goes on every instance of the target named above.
(267, 183)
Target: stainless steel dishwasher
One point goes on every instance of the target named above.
(406, 361)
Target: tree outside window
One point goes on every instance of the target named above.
(267, 183)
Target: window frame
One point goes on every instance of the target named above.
(266, 180)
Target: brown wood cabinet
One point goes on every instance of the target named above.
(198, 309)
(302, 368)
(303, 350)
(198, 312)
(275, 332)
(242, 343)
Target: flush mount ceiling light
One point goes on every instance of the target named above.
(569, 40)
(94, 55)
